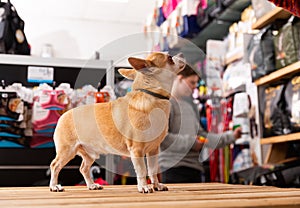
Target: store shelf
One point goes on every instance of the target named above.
(279, 139)
(279, 74)
(240, 88)
(59, 62)
(234, 57)
(76, 72)
(277, 13)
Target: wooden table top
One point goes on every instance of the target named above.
(179, 195)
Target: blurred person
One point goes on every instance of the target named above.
(180, 150)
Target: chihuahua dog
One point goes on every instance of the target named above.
(133, 125)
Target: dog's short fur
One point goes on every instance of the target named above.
(133, 125)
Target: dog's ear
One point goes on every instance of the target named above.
(128, 73)
(157, 59)
(138, 63)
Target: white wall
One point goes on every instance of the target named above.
(77, 28)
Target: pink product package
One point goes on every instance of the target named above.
(169, 6)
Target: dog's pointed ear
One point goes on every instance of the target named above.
(138, 63)
(157, 59)
(128, 73)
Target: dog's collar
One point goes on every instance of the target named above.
(154, 94)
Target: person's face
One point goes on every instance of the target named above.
(192, 81)
(188, 84)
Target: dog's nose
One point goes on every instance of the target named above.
(170, 60)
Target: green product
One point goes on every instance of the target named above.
(287, 43)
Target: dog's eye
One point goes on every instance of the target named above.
(170, 60)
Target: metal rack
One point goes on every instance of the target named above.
(29, 162)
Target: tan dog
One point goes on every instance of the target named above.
(133, 125)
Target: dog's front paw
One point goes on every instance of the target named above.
(160, 187)
(145, 189)
(95, 186)
(57, 188)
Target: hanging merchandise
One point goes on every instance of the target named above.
(202, 15)
(122, 87)
(101, 96)
(287, 43)
(262, 7)
(189, 15)
(292, 97)
(169, 32)
(49, 104)
(231, 38)
(261, 53)
(173, 27)
(13, 117)
(190, 27)
(151, 32)
(160, 18)
(23, 92)
(226, 152)
(236, 76)
(12, 36)
(214, 66)
(83, 96)
(172, 37)
(111, 92)
(190, 7)
(202, 88)
(169, 6)
(275, 121)
(213, 119)
(164, 36)
(241, 105)
(207, 10)
(158, 13)
(55, 100)
(26, 95)
(179, 21)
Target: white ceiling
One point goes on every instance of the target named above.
(66, 24)
(130, 11)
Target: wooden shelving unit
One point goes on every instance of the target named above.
(273, 77)
(279, 74)
(26, 166)
(277, 13)
(234, 58)
(278, 146)
(282, 138)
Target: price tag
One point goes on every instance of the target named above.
(39, 74)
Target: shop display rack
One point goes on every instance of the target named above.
(28, 166)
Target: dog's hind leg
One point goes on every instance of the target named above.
(152, 163)
(85, 168)
(61, 159)
(137, 158)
